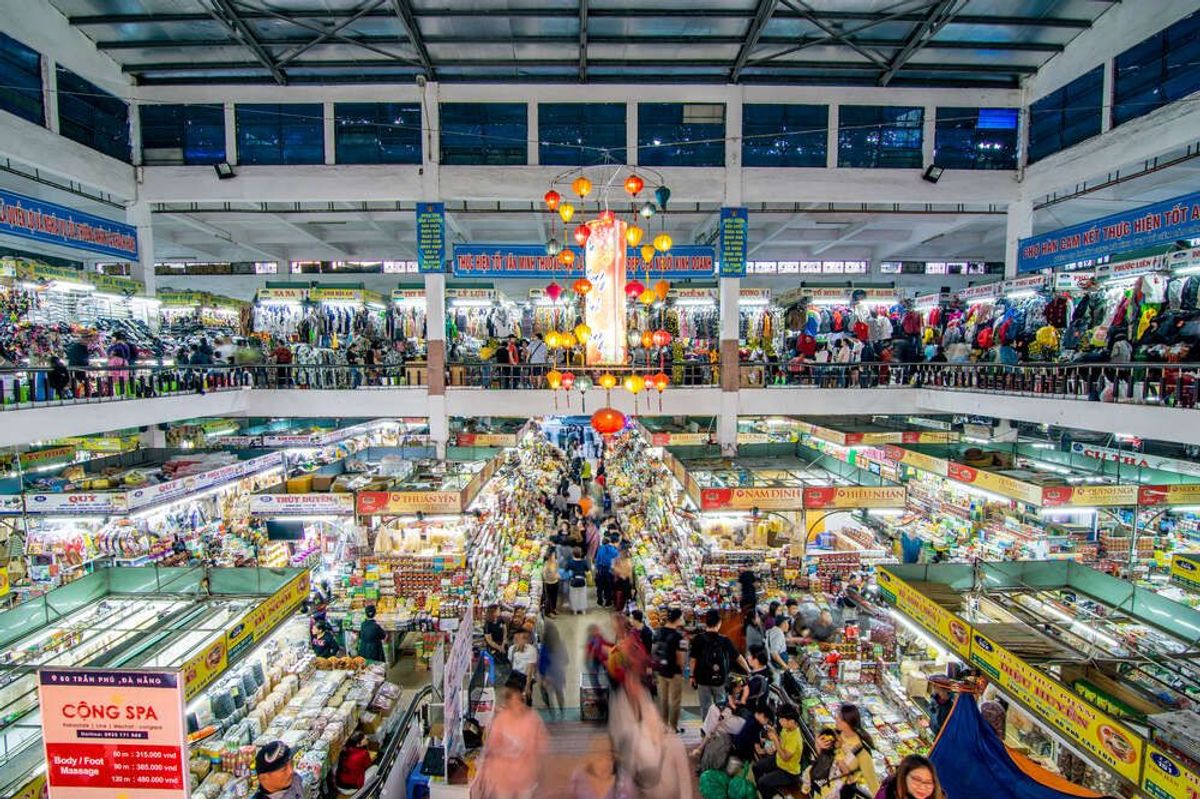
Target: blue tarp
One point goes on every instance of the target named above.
(973, 762)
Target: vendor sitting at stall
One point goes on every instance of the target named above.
(353, 764)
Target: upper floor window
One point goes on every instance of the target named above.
(1157, 70)
(91, 116)
(880, 137)
(279, 134)
(581, 134)
(183, 134)
(785, 134)
(976, 138)
(484, 134)
(1066, 116)
(681, 134)
(21, 80)
(377, 133)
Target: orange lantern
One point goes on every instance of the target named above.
(567, 256)
(647, 297)
(659, 382)
(567, 340)
(551, 340)
(647, 340)
(661, 288)
(633, 235)
(662, 242)
(554, 379)
(607, 421)
(648, 254)
(634, 185)
(552, 199)
(582, 286)
(566, 211)
(607, 382)
(582, 186)
(661, 338)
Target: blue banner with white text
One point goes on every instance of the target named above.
(735, 229)
(431, 237)
(531, 260)
(49, 223)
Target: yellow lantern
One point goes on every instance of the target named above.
(648, 254)
(566, 211)
(582, 332)
(607, 381)
(647, 340)
(582, 186)
(662, 242)
(552, 340)
(554, 379)
(648, 297)
(567, 340)
(634, 384)
(661, 288)
(633, 235)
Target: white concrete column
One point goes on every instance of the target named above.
(928, 135)
(330, 133)
(531, 117)
(435, 310)
(138, 214)
(631, 133)
(439, 424)
(727, 424)
(733, 149)
(50, 92)
(231, 153)
(135, 133)
(1106, 96)
(431, 184)
(831, 138)
(729, 291)
(1018, 224)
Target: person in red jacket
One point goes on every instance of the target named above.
(354, 762)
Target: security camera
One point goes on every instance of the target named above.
(421, 81)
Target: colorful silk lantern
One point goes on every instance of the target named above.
(661, 338)
(608, 216)
(635, 339)
(659, 382)
(567, 340)
(567, 256)
(607, 381)
(553, 247)
(581, 186)
(582, 333)
(647, 297)
(661, 288)
(554, 379)
(633, 235)
(647, 210)
(634, 289)
(566, 211)
(581, 234)
(583, 384)
(634, 384)
(554, 291)
(568, 380)
(662, 194)
(552, 199)
(582, 286)
(607, 421)
(662, 242)
(647, 340)
(634, 185)
(648, 254)
(551, 340)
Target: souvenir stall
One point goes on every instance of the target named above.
(1092, 660)
(187, 314)
(405, 320)
(129, 618)
(478, 318)
(690, 315)
(761, 332)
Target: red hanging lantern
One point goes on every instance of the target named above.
(634, 185)
(567, 256)
(608, 216)
(660, 382)
(661, 338)
(552, 199)
(581, 234)
(568, 380)
(634, 288)
(554, 291)
(607, 421)
(582, 286)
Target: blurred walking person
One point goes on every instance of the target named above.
(513, 751)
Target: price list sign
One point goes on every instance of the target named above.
(113, 732)
(735, 223)
(431, 237)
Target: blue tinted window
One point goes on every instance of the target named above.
(784, 135)
(681, 134)
(1157, 71)
(580, 134)
(880, 137)
(91, 116)
(976, 138)
(189, 134)
(21, 80)
(280, 134)
(485, 134)
(377, 133)
(1066, 116)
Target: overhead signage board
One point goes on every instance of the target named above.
(313, 504)
(853, 497)
(86, 502)
(49, 223)
(113, 732)
(935, 619)
(1182, 494)
(987, 291)
(765, 498)
(282, 295)
(735, 232)
(1138, 229)
(532, 261)
(431, 237)
(1093, 496)
(400, 503)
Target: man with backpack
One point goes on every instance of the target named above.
(712, 659)
(667, 658)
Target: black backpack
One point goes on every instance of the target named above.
(663, 653)
(712, 667)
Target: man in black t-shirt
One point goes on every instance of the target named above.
(712, 658)
(495, 637)
(668, 658)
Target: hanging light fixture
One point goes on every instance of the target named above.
(554, 291)
(566, 256)
(633, 235)
(566, 211)
(647, 252)
(648, 210)
(607, 381)
(607, 421)
(634, 185)
(661, 195)
(581, 234)
(582, 333)
(648, 297)
(660, 338)
(553, 247)
(554, 379)
(581, 186)
(551, 340)
(634, 337)
(567, 340)
(659, 382)
(568, 380)
(661, 288)
(582, 286)
(634, 289)
(552, 199)
(634, 384)
(647, 339)
(662, 242)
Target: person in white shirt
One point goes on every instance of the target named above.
(523, 656)
(775, 642)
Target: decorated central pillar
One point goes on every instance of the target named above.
(604, 306)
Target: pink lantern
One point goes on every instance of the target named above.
(554, 291)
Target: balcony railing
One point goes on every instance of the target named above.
(1172, 385)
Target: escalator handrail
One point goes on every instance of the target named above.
(373, 788)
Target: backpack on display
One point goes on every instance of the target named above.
(911, 323)
(712, 667)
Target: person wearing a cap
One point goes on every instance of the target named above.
(276, 777)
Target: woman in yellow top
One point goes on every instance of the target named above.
(780, 771)
(855, 763)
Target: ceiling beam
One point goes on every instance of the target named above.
(331, 33)
(761, 17)
(842, 235)
(313, 237)
(835, 35)
(317, 28)
(404, 12)
(223, 235)
(989, 20)
(939, 16)
(223, 12)
(583, 40)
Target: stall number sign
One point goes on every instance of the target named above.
(113, 733)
